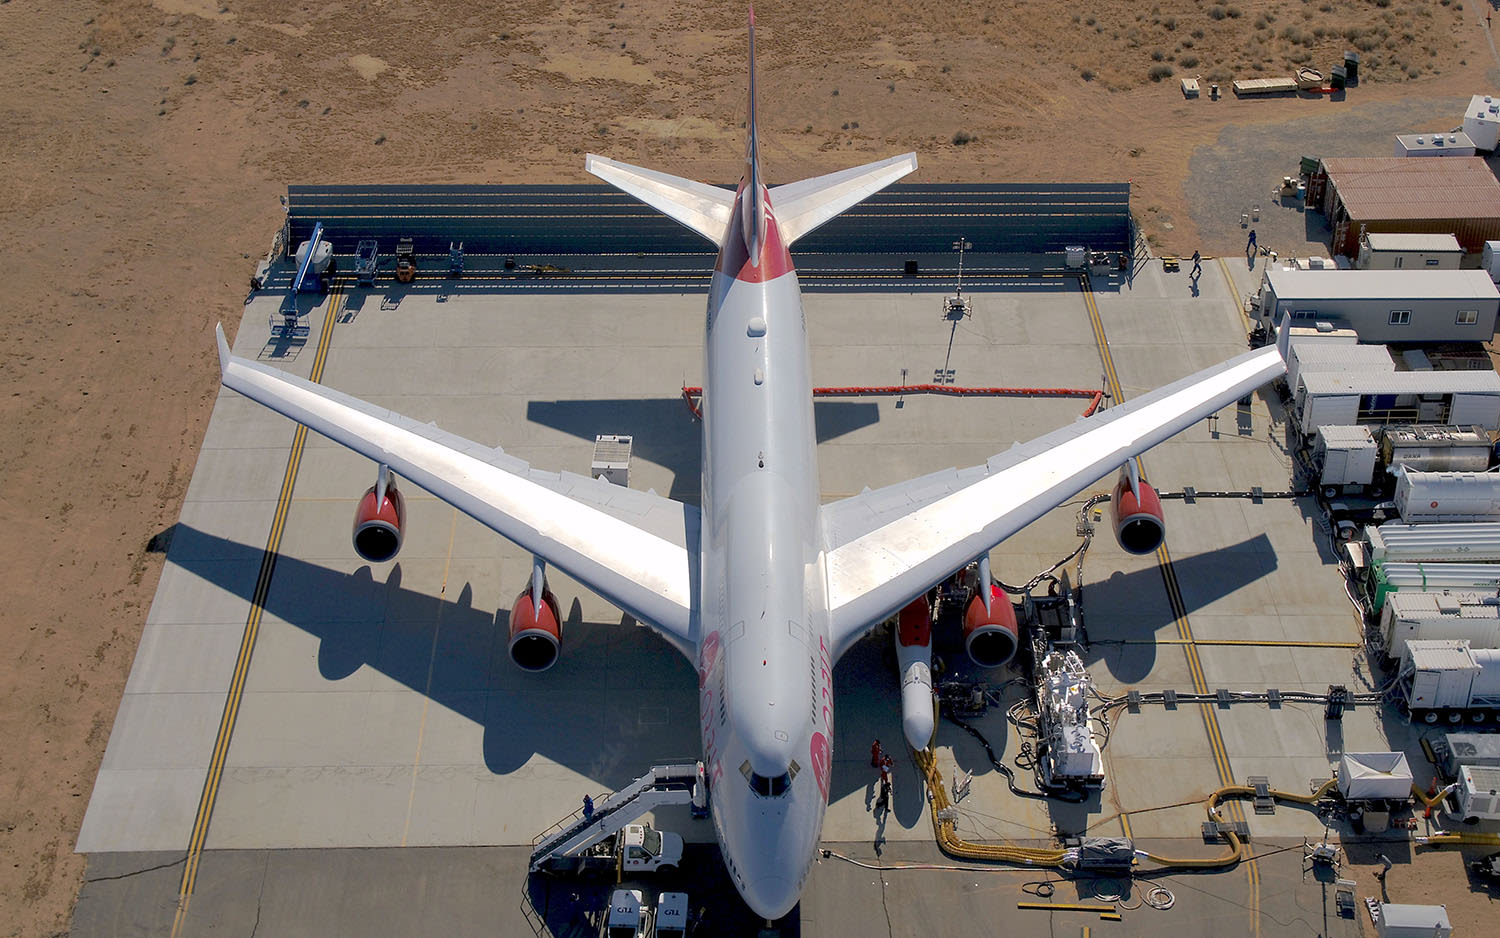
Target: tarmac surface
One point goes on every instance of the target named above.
(293, 731)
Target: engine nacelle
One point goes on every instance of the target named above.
(914, 659)
(535, 634)
(991, 635)
(1139, 525)
(378, 523)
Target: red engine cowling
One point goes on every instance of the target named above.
(378, 524)
(1139, 526)
(535, 634)
(991, 635)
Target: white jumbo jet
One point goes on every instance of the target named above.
(762, 588)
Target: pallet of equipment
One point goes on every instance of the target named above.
(1249, 86)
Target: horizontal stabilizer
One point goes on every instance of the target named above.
(701, 207)
(802, 206)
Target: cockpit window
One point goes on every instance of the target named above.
(773, 786)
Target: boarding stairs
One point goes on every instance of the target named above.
(664, 785)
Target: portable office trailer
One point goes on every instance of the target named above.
(1380, 250)
(1309, 357)
(1434, 144)
(1398, 397)
(1385, 305)
(1482, 121)
(1448, 614)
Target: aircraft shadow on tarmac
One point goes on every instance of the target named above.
(666, 434)
(456, 654)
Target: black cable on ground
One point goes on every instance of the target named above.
(1003, 769)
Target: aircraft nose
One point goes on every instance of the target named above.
(771, 897)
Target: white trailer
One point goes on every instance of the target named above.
(1411, 616)
(1478, 542)
(1448, 680)
(1347, 457)
(1447, 496)
(1478, 793)
(1385, 305)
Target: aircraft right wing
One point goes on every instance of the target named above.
(887, 546)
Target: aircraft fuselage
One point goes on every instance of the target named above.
(764, 661)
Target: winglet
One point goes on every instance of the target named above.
(1284, 338)
(223, 348)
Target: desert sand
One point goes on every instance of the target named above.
(145, 146)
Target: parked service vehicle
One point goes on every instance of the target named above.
(629, 916)
(672, 915)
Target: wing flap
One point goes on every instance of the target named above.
(881, 553)
(636, 549)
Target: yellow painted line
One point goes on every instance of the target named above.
(1066, 907)
(1246, 642)
(1234, 291)
(1111, 916)
(1174, 593)
(247, 641)
(1125, 825)
(437, 629)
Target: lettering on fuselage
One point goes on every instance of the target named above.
(821, 749)
(711, 698)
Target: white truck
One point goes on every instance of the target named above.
(637, 848)
(672, 915)
(1445, 679)
(629, 915)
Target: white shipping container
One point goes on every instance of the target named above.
(1411, 616)
(1441, 674)
(1347, 455)
(1447, 496)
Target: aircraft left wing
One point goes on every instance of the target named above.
(636, 549)
(887, 546)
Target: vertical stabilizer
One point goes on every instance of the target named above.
(752, 191)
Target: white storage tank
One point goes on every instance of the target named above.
(1447, 496)
(1413, 921)
(1410, 616)
(1347, 455)
(1435, 448)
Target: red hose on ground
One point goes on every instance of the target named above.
(692, 395)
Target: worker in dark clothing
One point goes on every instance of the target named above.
(883, 803)
(1250, 245)
(1197, 265)
(588, 808)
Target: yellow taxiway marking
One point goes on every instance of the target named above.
(247, 640)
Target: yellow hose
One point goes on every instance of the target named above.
(953, 845)
(1443, 840)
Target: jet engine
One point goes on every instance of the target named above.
(379, 519)
(1136, 511)
(914, 659)
(535, 626)
(991, 635)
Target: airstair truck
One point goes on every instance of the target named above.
(606, 838)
